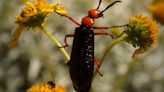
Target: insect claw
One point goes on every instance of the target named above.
(63, 46)
(120, 34)
(111, 35)
(100, 74)
(97, 70)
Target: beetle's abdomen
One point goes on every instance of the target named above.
(81, 64)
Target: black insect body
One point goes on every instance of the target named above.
(81, 64)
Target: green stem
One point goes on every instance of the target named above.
(56, 42)
(120, 81)
(116, 41)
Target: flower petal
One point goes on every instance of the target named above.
(15, 36)
(59, 8)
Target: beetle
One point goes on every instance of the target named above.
(51, 83)
(81, 64)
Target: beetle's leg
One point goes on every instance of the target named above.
(65, 40)
(105, 33)
(102, 28)
(97, 66)
(74, 21)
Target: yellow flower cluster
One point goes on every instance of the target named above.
(33, 15)
(142, 33)
(46, 88)
(157, 10)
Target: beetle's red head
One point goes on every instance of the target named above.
(94, 14)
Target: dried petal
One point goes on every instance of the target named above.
(15, 36)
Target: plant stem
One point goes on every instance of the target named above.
(120, 81)
(56, 42)
(116, 41)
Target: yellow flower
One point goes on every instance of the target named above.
(46, 88)
(157, 10)
(142, 33)
(33, 15)
(58, 88)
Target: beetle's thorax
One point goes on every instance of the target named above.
(89, 20)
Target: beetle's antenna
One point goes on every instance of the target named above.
(99, 4)
(109, 6)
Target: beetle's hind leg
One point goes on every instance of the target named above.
(97, 66)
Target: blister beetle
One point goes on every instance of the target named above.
(81, 64)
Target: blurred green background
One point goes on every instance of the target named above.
(36, 59)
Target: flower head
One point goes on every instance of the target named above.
(46, 88)
(142, 33)
(157, 10)
(33, 15)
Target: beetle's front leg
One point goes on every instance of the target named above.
(70, 18)
(65, 40)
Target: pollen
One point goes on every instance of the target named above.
(142, 33)
(40, 88)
